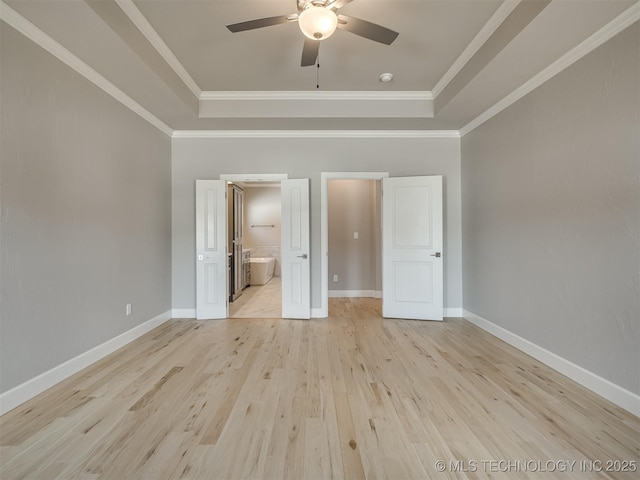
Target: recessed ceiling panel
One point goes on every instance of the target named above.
(432, 35)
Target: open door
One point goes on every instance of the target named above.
(412, 270)
(294, 249)
(211, 249)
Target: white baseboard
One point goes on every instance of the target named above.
(29, 389)
(603, 387)
(452, 312)
(191, 313)
(355, 293)
(183, 313)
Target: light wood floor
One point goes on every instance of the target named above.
(351, 397)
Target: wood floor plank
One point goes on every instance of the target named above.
(352, 396)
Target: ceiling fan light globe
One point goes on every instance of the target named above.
(317, 23)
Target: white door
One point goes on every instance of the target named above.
(294, 249)
(211, 249)
(412, 278)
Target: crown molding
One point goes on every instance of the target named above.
(316, 134)
(500, 15)
(610, 30)
(33, 33)
(140, 21)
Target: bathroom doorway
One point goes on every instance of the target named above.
(253, 239)
(212, 261)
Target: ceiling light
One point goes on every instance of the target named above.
(386, 77)
(318, 23)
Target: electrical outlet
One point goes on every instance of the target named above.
(335, 278)
(128, 309)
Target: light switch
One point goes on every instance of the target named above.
(355, 235)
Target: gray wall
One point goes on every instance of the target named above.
(85, 226)
(551, 212)
(207, 158)
(351, 207)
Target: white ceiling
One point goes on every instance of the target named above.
(466, 55)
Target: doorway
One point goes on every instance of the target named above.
(354, 239)
(212, 260)
(325, 177)
(254, 237)
(412, 244)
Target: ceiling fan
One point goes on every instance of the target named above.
(318, 19)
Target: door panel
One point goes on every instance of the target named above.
(211, 249)
(238, 217)
(411, 230)
(419, 289)
(294, 250)
(412, 270)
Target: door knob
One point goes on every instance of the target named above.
(304, 255)
(437, 255)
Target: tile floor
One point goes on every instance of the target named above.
(259, 301)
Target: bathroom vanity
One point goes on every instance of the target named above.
(246, 268)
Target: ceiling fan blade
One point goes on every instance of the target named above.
(262, 22)
(338, 3)
(365, 29)
(310, 52)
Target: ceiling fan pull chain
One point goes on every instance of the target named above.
(318, 73)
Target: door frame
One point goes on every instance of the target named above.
(324, 227)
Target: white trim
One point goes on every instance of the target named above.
(316, 134)
(254, 177)
(500, 15)
(355, 293)
(318, 313)
(453, 312)
(264, 184)
(29, 389)
(33, 33)
(311, 95)
(324, 225)
(139, 20)
(622, 21)
(603, 387)
(183, 313)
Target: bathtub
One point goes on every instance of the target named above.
(261, 269)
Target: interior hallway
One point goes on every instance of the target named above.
(354, 396)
